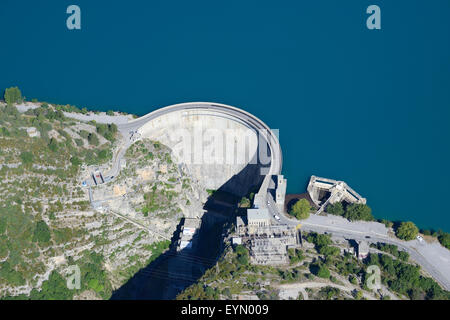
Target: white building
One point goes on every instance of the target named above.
(280, 191)
(236, 240)
(188, 233)
(363, 250)
(257, 218)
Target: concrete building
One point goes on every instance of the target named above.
(236, 240)
(268, 251)
(272, 249)
(259, 201)
(267, 242)
(188, 233)
(280, 192)
(325, 191)
(363, 249)
(257, 218)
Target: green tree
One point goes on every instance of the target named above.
(242, 255)
(75, 161)
(4, 132)
(241, 250)
(227, 293)
(301, 209)
(444, 239)
(13, 95)
(79, 142)
(323, 272)
(353, 279)
(243, 260)
(101, 128)
(336, 209)
(53, 145)
(93, 139)
(12, 276)
(329, 251)
(41, 233)
(403, 255)
(27, 157)
(103, 154)
(358, 211)
(209, 291)
(245, 203)
(2, 225)
(358, 295)
(55, 288)
(319, 239)
(407, 231)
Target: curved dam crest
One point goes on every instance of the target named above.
(222, 146)
(213, 131)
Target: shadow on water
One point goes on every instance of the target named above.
(172, 272)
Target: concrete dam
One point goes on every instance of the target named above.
(222, 146)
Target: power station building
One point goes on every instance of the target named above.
(257, 218)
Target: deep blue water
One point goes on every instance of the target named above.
(368, 107)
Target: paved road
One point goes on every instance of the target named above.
(433, 258)
(435, 263)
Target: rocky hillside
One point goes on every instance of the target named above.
(322, 269)
(47, 225)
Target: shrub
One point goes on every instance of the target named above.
(245, 203)
(336, 209)
(41, 233)
(75, 161)
(323, 272)
(358, 211)
(403, 255)
(407, 231)
(301, 209)
(53, 145)
(13, 95)
(444, 239)
(55, 288)
(93, 139)
(27, 157)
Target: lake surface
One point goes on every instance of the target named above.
(371, 107)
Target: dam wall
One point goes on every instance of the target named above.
(220, 150)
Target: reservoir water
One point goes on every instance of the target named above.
(371, 107)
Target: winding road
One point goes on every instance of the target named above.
(433, 258)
